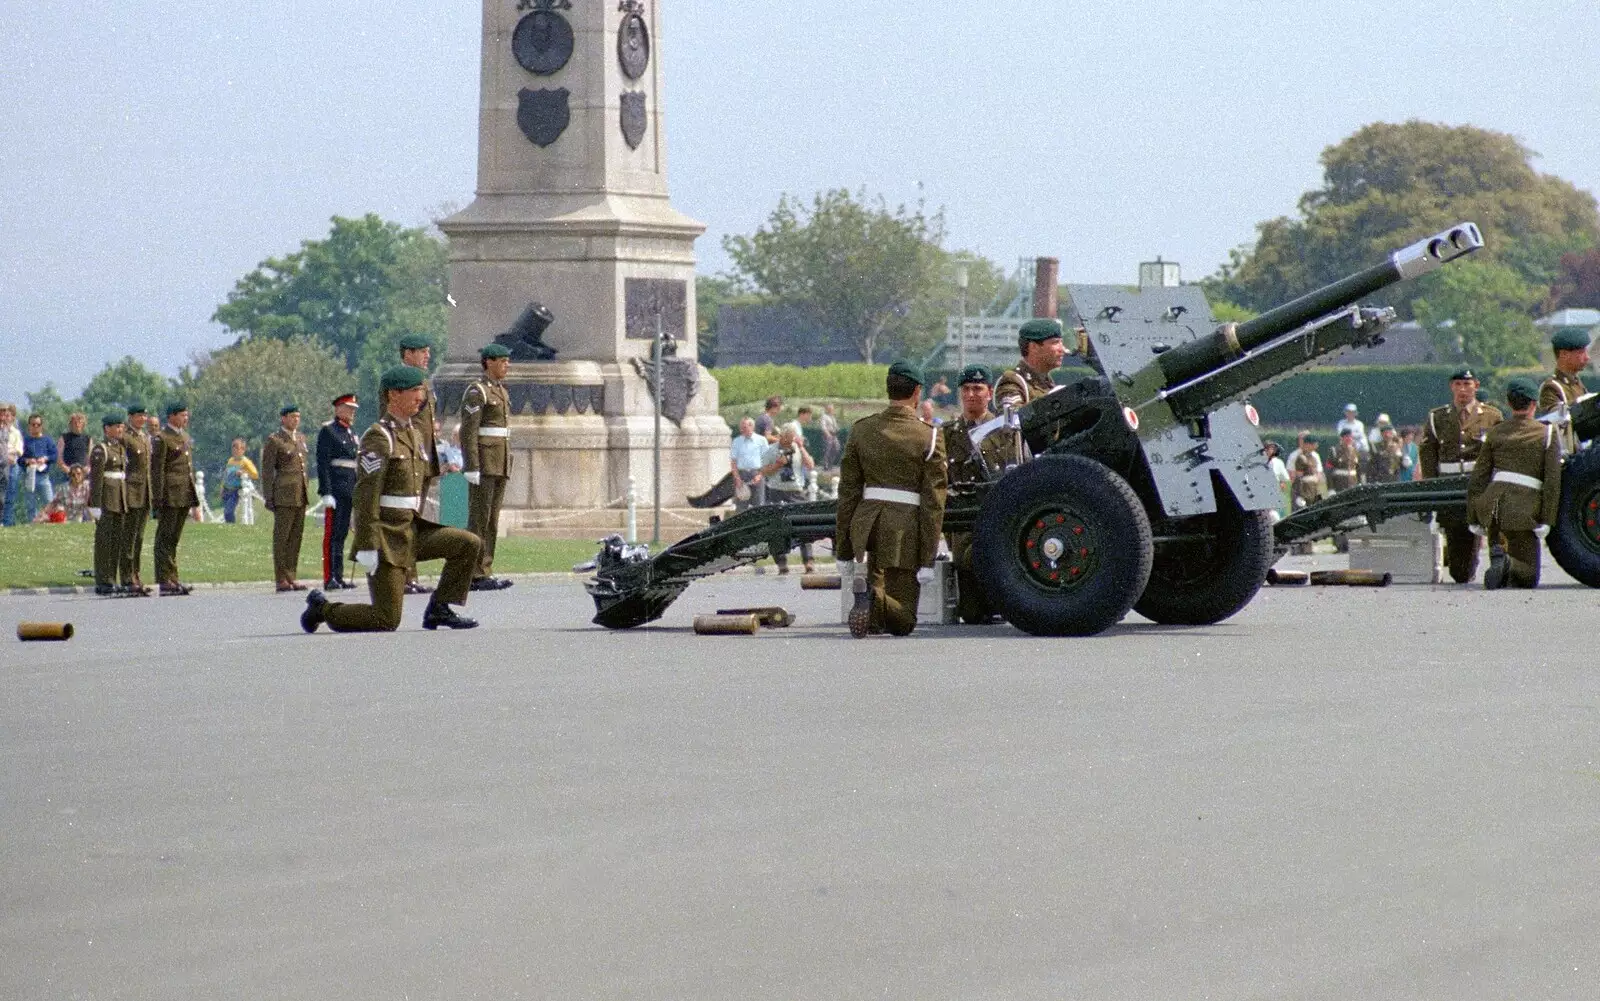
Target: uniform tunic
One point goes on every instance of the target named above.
(1346, 465)
(1386, 460)
(1516, 487)
(337, 450)
(136, 442)
(1020, 386)
(285, 485)
(1450, 442)
(108, 491)
(891, 505)
(1305, 470)
(172, 494)
(1562, 389)
(999, 451)
(486, 450)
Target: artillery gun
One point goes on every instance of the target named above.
(1148, 489)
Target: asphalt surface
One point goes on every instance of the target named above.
(1340, 793)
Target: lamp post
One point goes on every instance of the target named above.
(962, 279)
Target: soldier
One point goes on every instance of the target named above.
(108, 502)
(1387, 457)
(136, 442)
(1346, 462)
(390, 534)
(891, 505)
(999, 453)
(1564, 387)
(486, 454)
(285, 486)
(1040, 343)
(417, 351)
(1515, 490)
(172, 494)
(1450, 443)
(337, 449)
(1306, 481)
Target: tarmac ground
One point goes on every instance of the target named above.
(1339, 793)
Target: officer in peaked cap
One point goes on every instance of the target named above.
(1039, 342)
(390, 532)
(1564, 387)
(286, 488)
(1515, 490)
(337, 450)
(1451, 439)
(417, 351)
(486, 456)
(108, 502)
(136, 443)
(891, 506)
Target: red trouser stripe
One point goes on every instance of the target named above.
(327, 543)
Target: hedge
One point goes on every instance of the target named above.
(739, 384)
(1405, 392)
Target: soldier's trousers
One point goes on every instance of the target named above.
(895, 593)
(131, 563)
(483, 515)
(169, 530)
(1460, 547)
(460, 552)
(288, 532)
(336, 529)
(1523, 550)
(108, 533)
(971, 604)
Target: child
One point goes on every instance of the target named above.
(76, 495)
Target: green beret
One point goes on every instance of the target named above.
(1463, 373)
(287, 409)
(494, 351)
(906, 370)
(176, 407)
(414, 342)
(136, 408)
(1040, 330)
(974, 374)
(1522, 387)
(1570, 340)
(113, 417)
(403, 377)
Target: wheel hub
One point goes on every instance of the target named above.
(1057, 549)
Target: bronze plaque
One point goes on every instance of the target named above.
(633, 45)
(648, 298)
(542, 42)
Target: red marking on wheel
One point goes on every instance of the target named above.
(1055, 576)
(1039, 525)
(1030, 543)
(1076, 571)
(1036, 566)
(1077, 530)
(1083, 552)
(1060, 520)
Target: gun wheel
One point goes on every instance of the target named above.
(1199, 583)
(1575, 537)
(1062, 547)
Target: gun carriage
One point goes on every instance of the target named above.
(1147, 488)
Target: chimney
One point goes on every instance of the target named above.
(1045, 274)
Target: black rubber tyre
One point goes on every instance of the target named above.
(1575, 537)
(1196, 584)
(1062, 547)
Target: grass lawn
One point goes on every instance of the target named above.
(52, 555)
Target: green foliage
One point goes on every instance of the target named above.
(1577, 286)
(1227, 312)
(367, 276)
(49, 404)
(849, 265)
(1316, 399)
(752, 384)
(1389, 185)
(711, 293)
(121, 383)
(925, 327)
(1482, 309)
(238, 391)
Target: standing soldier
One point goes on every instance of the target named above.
(1305, 472)
(1450, 443)
(108, 502)
(486, 454)
(999, 452)
(390, 534)
(285, 485)
(136, 442)
(1346, 462)
(891, 506)
(337, 449)
(172, 493)
(417, 351)
(1564, 387)
(1040, 343)
(1516, 490)
(1387, 458)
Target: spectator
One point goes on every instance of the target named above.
(767, 423)
(10, 452)
(1305, 472)
(1376, 434)
(786, 466)
(450, 458)
(38, 455)
(1408, 468)
(233, 475)
(1388, 457)
(830, 438)
(745, 460)
(54, 513)
(1280, 472)
(73, 445)
(1352, 423)
(940, 393)
(75, 494)
(928, 416)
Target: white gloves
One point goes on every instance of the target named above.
(473, 478)
(1541, 530)
(368, 558)
(95, 512)
(328, 501)
(1476, 530)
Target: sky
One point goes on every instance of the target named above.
(151, 154)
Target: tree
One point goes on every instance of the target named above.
(49, 404)
(238, 391)
(1577, 286)
(926, 327)
(1389, 185)
(1481, 308)
(851, 266)
(366, 275)
(122, 383)
(711, 293)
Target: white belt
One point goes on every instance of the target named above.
(400, 503)
(1456, 467)
(343, 463)
(1518, 480)
(892, 496)
(114, 476)
(494, 432)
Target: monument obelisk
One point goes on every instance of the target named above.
(572, 213)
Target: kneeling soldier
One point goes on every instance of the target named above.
(108, 502)
(1516, 490)
(391, 535)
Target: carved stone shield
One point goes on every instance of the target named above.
(682, 383)
(542, 42)
(543, 114)
(634, 117)
(633, 46)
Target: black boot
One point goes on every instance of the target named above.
(105, 590)
(1494, 578)
(441, 614)
(316, 612)
(861, 612)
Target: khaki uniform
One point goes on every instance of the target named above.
(891, 506)
(486, 450)
(1451, 439)
(1020, 386)
(1346, 465)
(173, 496)
(108, 491)
(393, 470)
(137, 444)
(1385, 461)
(999, 451)
(1516, 487)
(1305, 472)
(286, 488)
(1561, 390)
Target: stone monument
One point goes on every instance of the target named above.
(572, 255)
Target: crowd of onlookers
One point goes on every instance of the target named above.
(43, 478)
(1355, 455)
(771, 463)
